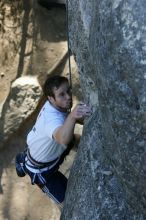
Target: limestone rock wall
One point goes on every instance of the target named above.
(108, 178)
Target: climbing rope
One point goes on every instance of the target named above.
(68, 44)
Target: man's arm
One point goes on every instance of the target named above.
(64, 134)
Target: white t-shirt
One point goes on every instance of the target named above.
(43, 147)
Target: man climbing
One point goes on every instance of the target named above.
(52, 137)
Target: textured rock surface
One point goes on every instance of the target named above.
(21, 102)
(108, 178)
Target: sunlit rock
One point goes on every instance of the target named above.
(21, 102)
(108, 178)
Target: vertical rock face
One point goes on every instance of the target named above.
(108, 178)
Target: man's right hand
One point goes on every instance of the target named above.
(80, 111)
(64, 134)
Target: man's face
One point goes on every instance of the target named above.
(62, 97)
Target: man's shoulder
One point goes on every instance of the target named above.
(50, 112)
(50, 108)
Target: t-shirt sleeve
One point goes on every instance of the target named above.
(52, 125)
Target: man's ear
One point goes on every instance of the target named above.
(51, 99)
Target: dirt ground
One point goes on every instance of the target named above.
(19, 200)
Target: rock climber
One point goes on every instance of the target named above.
(52, 137)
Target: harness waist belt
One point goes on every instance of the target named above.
(39, 164)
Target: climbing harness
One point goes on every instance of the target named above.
(22, 158)
(39, 164)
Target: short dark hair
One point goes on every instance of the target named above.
(53, 82)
